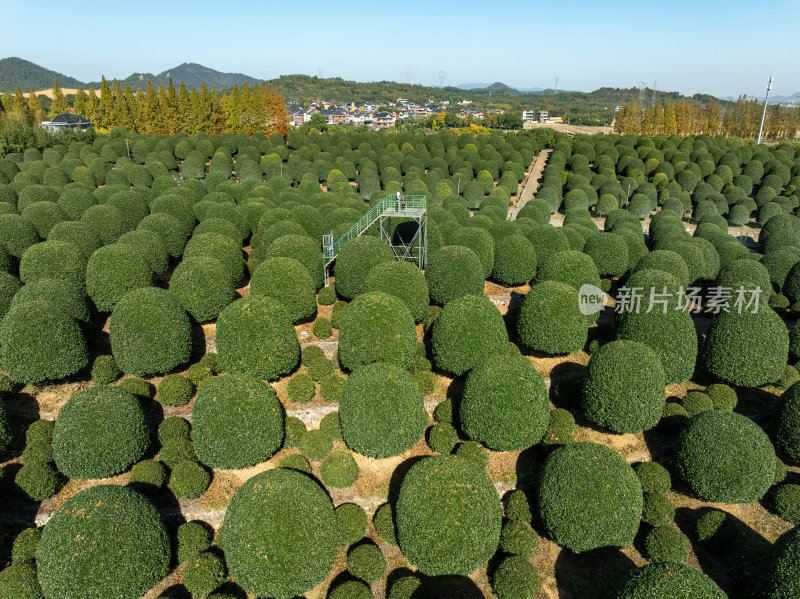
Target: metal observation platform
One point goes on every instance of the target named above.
(403, 224)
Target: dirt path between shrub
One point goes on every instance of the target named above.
(532, 182)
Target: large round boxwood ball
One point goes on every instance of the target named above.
(289, 282)
(749, 349)
(505, 405)
(16, 234)
(113, 271)
(381, 411)
(479, 241)
(780, 574)
(279, 534)
(54, 260)
(19, 581)
(448, 516)
(589, 497)
(551, 320)
(571, 267)
(255, 336)
(202, 286)
(452, 272)
(219, 247)
(377, 327)
(99, 432)
(149, 331)
(304, 250)
(609, 252)
(725, 457)
(404, 281)
(6, 430)
(106, 542)
(237, 421)
(624, 388)
(514, 260)
(787, 423)
(354, 261)
(668, 580)
(39, 343)
(469, 330)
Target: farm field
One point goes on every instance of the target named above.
(187, 410)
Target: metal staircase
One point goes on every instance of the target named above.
(409, 208)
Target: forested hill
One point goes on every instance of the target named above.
(192, 75)
(27, 75)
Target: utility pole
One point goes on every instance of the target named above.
(441, 79)
(764, 116)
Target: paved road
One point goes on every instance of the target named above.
(532, 182)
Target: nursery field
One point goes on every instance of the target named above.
(188, 411)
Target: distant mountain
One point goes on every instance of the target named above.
(192, 75)
(27, 75)
(785, 99)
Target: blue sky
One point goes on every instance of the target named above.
(713, 46)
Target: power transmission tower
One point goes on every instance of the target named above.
(642, 87)
(655, 91)
(441, 79)
(764, 116)
(321, 72)
(556, 87)
(408, 74)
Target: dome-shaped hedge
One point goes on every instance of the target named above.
(448, 516)
(59, 296)
(667, 261)
(725, 457)
(377, 327)
(255, 336)
(668, 580)
(304, 250)
(748, 348)
(202, 286)
(624, 388)
(354, 261)
(514, 260)
(787, 423)
(16, 234)
(219, 247)
(780, 572)
(404, 281)
(113, 271)
(589, 497)
(479, 241)
(469, 330)
(38, 343)
(279, 534)
(106, 542)
(237, 421)
(149, 246)
(381, 410)
(53, 260)
(609, 252)
(149, 332)
(551, 320)
(99, 432)
(505, 405)
(571, 267)
(289, 282)
(452, 272)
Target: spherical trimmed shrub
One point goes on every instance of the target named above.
(9, 287)
(315, 444)
(381, 410)
(322, 328)
(78, 233)
(589, 497)
(25, 543)
(237, 421)
(725, 457)
(297, 462)
(54, 260)
(350, 589)
(173, 427)
(148, 474)
(354, 261)
(658, 509)
(327, 296)
(695, 402)
(108, 221)
(331, 426)
(288, 281)
(780, 572)
(136, 386)
(38, 343)
(304, 250)
(571, 267)
(560, 426)
(653, 477)
(284, 514)
(442, 437)
(17, 234)
(337, 313)
(192, 539)
(666, 544)
(43, 216)
(106, 542)
(514, 260)
(517, 506)
(149, 246)
(202, 286)
(504, 405)
(787, 423)
(551, 320)
(404, 281)
(722, 396)
(175, 450)
(667, 580)
(150, 333)
(189, 480)
(221, 248)
(518, 538)
(320, 369)
(39, 442)
(168, 228)
(515, 578)
(175, 390)
(59, 296)
(666, 261)
(786, 501)
(113, 271)
(453, 272)
(301, 388)
(255, 336)
(747, 273)
(469, 330)
(339, 470)
(365, 561)
(749, 349)
(204, 574)
(99, 432)
(609, 252)
(351, 521)
(448, 516)
(38, 481)
(481, 242)
(377, 327)
(293, 431)
(624, 388)
(19, 581)
(383, 521)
